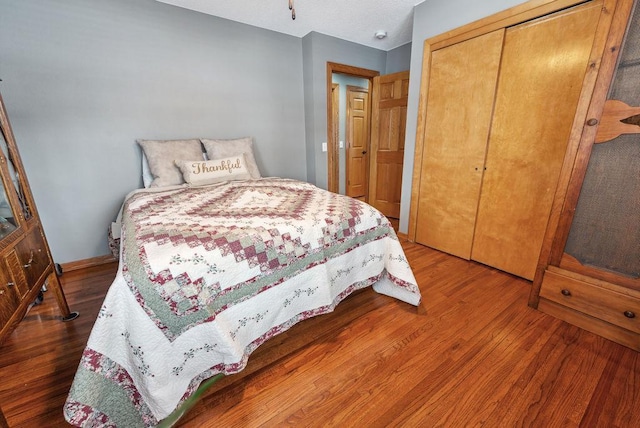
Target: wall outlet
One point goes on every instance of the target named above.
(324, 146)
(342, 144)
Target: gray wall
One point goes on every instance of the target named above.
(83, 79)
(318, 49)
(433, 17)
(399, 59)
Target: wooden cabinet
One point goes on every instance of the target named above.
(497, 104)
(589, 268)
(25, 260)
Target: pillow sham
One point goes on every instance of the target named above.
(218, 149)
(214, 171)
(161, 156)
(147, 177)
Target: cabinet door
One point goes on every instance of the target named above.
(8, 217)
(462, 81)
(543, 65)
(9, 296)
(33, 257)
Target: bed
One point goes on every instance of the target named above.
(209, 270)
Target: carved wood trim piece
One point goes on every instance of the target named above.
(617, 118)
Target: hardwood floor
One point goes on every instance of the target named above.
(478, 355)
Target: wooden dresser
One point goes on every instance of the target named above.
(26, 264)
(589, 268)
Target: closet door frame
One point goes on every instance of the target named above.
(510, 17)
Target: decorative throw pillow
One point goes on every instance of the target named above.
(214, 171)
(218, 149)
(162, 154)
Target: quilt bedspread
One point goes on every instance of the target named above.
(209, 273)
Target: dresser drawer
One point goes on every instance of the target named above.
(619, 308)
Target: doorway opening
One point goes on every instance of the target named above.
(333, 130)
(374, 141)
(351, 119)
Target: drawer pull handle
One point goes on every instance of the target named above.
(566, 292)
(1, 292)
(10, 284)
(28, 265)
(629, 314)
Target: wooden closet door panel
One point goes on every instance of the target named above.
(543, 66)
(461, 92)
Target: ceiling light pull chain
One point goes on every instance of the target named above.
(292, 9)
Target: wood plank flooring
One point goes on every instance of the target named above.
(477, 355)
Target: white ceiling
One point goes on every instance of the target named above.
(353, 20)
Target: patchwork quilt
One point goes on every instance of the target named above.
(209, 273)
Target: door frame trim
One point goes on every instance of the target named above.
(335, 115)
(333, 163)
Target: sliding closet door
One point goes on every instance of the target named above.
(462, 80)
(543, 66)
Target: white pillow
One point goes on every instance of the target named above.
(147, 177)
(161, 156)
(218, 149)
(214, 171)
